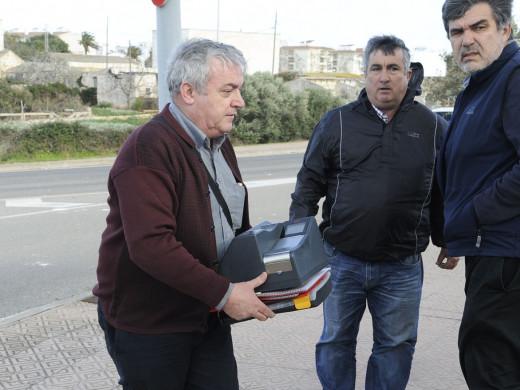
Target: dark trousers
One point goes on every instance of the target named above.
(174, 361)
(489, 336)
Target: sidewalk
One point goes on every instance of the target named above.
(62, 348)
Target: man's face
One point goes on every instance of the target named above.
(215, 110)
(386, 79)
(475, 38)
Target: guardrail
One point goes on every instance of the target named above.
(43, 115)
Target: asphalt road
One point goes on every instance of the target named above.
(51, 222)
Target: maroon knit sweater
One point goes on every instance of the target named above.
(156, 271)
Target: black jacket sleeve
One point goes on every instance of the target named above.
(437, 200)
(311, 183)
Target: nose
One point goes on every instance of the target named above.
(468, 38)
(237, 100)
(383, 76)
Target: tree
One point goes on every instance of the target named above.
(88, 41)
(444, 90)
(273, 113)
(28, 49)
(134, 52)
(149, 61)
(55, 44)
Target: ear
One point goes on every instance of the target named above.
(187, 93)
(507, 32)
(409, 74)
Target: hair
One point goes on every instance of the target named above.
(455, 9)
(191, 62)
(387, 44)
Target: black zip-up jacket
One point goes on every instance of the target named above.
(382, 201)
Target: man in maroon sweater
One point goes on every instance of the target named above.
(166, 230)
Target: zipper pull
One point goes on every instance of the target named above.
(479, 238)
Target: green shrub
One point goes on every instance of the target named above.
(89, 96)
(55, 140)
(138, 104)
(273, 113)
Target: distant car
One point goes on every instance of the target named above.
(444, 112)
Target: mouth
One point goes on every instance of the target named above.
(469, 54)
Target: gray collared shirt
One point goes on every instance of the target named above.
(233, 192)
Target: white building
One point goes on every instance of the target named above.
(313, 59)
(317, 59)
(260, 50)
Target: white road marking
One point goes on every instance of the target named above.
(272, 182)
(52, 207)
(39, 203)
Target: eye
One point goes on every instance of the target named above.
(455, 33)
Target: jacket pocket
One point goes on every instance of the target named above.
(461, 224)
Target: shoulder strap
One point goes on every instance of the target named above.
(212, 183)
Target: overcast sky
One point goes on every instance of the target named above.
(330, 23)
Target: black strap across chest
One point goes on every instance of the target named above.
(212, 183)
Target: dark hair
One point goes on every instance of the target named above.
(387, 44)
(455, 9)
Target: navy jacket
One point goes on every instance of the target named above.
(381, 200)
(479, 168)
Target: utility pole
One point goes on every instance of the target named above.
(129, 57)
(46, 40)
(274, 40)
(106, 47)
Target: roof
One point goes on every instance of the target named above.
(306, 48)
(70, 57)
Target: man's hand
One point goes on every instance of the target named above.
(450, 263)
(243, 302)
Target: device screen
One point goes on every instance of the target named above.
(295, 228)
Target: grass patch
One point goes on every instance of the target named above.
(108, 111)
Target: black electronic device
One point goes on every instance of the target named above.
(290, 252)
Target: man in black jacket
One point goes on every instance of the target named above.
(374, 162)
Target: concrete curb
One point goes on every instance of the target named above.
(240, 150)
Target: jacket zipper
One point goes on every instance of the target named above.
(479, 238)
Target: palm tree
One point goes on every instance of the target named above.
(87, 41)
(134, 52)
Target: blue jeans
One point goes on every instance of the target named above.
(393, 293)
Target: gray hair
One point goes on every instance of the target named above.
(387, 44)
(455, 9)
(191, 62)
